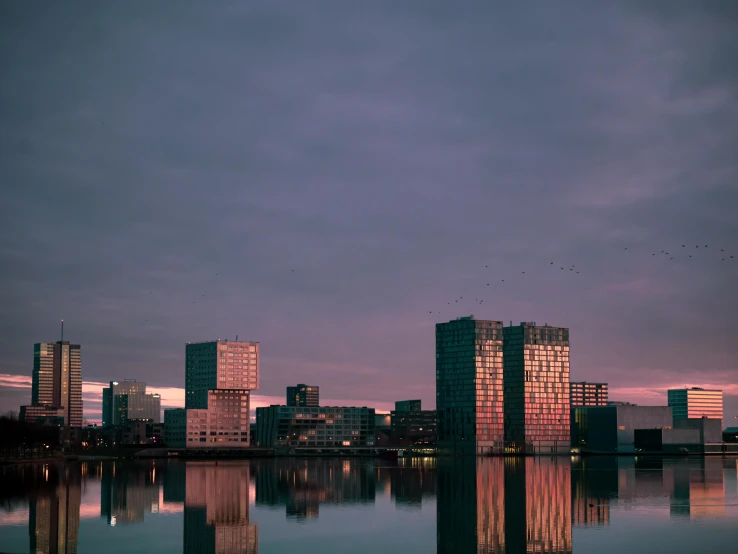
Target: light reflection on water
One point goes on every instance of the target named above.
(450, 505)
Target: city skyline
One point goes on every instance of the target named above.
(338, 185)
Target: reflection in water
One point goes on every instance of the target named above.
(127, 491)
(303, 484)
(504, 505)
(594, 481)
(483, 505)
(53, 521)
(216, 513)
(699, 490)
(412, 480)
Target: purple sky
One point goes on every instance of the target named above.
(165, 168)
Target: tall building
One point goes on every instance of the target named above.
(127, 400)
(469, 386)
(220, 364)
(219, 376)
(695, 403)
(303, 395)
(56, 389)
(536, 388)
(582, 393)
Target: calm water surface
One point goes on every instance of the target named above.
(358, 505)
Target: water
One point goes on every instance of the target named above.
(328, 505)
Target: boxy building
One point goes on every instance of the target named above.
(612, 428)
(315, 427)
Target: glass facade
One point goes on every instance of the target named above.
(536, 383)
(469, 386)
(219, 376)
(696, 403)
(303, 395)
(587, 394)
(57, 379)
(314, 427)
(127, 400)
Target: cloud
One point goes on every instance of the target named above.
(386, 154)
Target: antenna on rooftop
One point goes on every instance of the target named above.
(62, 329)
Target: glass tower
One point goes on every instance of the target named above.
(536, 377)
(57, 379)
(696, 403)
(469, 386)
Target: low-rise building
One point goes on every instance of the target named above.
(410, 424)
(710, 430)
(730, 435)
(582, 393)
(315, 427)
(42, 414)
(612, 428)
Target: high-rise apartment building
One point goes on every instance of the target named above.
(582, 393)
(219, 376)
(469, 386)
(303, 395)
(696, 403)
(127, 400)
(56, 383)
(536, 384)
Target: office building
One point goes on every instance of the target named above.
(126, 401)
(412, 425)
(219, 376)
(315, 427)
(224, 424)
(695, 403)
(175, 427)
(536, 388)
(303, 395)
(43, 415)
(587, 394)
(408, 406)
(469, 386)
(57, 382)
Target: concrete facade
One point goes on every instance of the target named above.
(612, 428)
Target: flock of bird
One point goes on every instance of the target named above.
(681, 252)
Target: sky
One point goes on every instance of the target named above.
(334, 178)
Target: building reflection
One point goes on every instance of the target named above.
(504, 505)
(302, 485)
(594, 482)
(53, 522)
(216, 512)
(128, 490)
(411, 481)
(699, 488)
